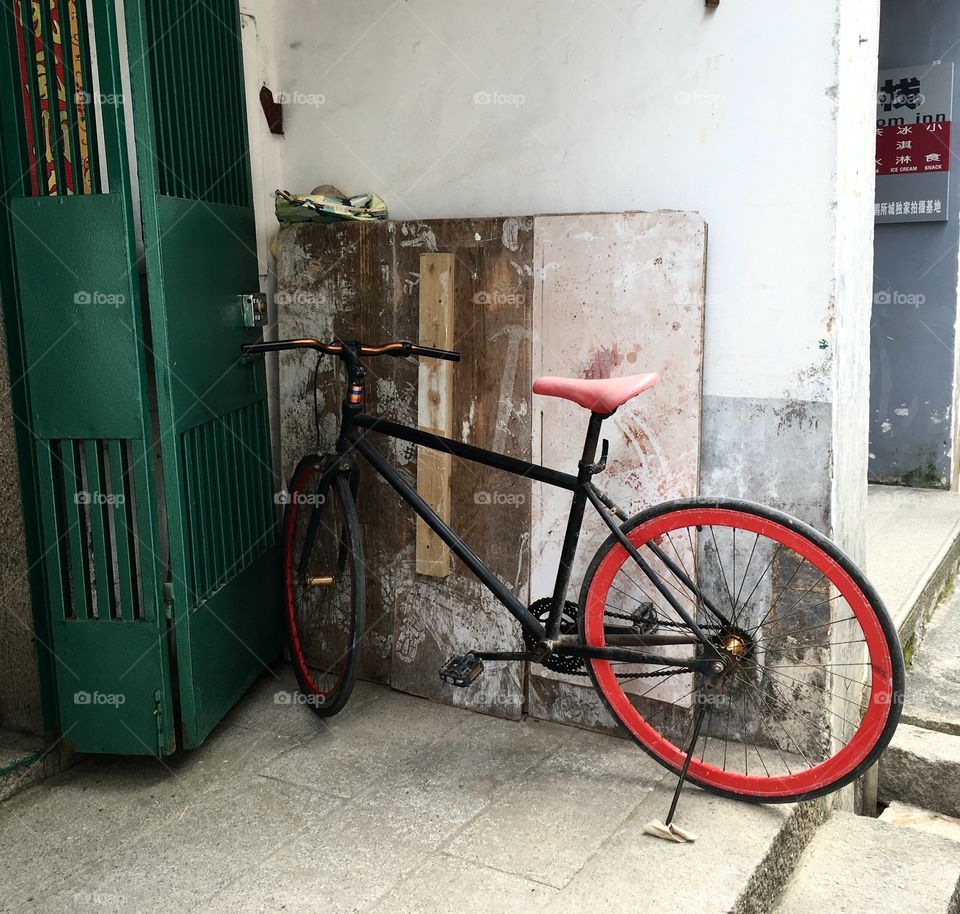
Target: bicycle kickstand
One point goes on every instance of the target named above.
(667, 830)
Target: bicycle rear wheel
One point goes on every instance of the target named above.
(813, 684)
(323, 584)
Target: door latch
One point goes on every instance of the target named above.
(254, 308)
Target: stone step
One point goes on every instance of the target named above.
(933, 681)
(24, 762)
(922, 767)
(856, 864)
(902, 815)
(742, 858)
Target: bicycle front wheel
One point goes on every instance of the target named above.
(813, 681)
(323, 584)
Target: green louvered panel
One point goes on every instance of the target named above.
(202, 151)
(89, 490)
(227, 480)
(112, 676)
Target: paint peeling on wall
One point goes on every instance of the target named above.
(418, 236)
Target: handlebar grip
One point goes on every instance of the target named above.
(432, 353)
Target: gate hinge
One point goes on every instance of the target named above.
(158, 717)
(168, 599)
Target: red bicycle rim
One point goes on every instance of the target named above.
(811, 779)
(296, 649)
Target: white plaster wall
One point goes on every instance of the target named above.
(756, 115)
(620, 106)
(853, 269)
(258, 24)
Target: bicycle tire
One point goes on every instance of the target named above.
(881, 695)
(324, 599)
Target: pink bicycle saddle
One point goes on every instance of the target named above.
(600, 396)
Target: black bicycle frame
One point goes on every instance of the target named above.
(352, 440)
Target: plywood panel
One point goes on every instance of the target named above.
(436, 618)
(614, 294)
(336, 281)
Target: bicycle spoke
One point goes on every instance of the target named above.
(723, 574)
(746, 571)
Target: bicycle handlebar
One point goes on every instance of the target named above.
(400, 348)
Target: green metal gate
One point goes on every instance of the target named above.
(201, 255)
(159, 586)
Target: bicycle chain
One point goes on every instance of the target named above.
(572, 610)
(665, 623)
(662, 623)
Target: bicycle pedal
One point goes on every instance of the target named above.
(461, 670)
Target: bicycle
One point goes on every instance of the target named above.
(777, 681)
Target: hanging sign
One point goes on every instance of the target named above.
(914, 112)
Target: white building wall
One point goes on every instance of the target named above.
(853, 267)
(454, 108)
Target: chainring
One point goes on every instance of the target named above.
(568, 626)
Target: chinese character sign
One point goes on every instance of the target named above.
(914, 113)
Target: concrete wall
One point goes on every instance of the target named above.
(463, 109)
(912, 415)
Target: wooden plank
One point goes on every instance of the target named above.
(435, 407)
